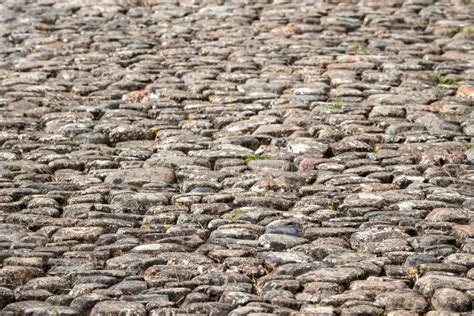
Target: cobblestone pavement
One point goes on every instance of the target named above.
(241, 157)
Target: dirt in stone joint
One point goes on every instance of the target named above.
(257, 157)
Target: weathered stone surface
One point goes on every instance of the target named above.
(337, 275)
(82, 234)
(449, 300)
(118, 308)
(402, 299)
(28, 307)
(141, 176)
(6, 296)
(236, 157)
(18, 275)
(427, 285)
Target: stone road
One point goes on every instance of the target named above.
(240, 157)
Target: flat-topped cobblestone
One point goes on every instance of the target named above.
(258, 157)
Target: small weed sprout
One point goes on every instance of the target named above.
(251, 157)
(440, 80)
(233, 215)
(335, 105)
(457, 29)
(358, 49)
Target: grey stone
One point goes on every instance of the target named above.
(118, 308)
(6, 296)
(141, 176)
(427, 285)
(450, 300)
(402, 299)
(236, 157)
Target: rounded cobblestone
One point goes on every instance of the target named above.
(163, 157)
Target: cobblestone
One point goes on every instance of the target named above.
(236, 157)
